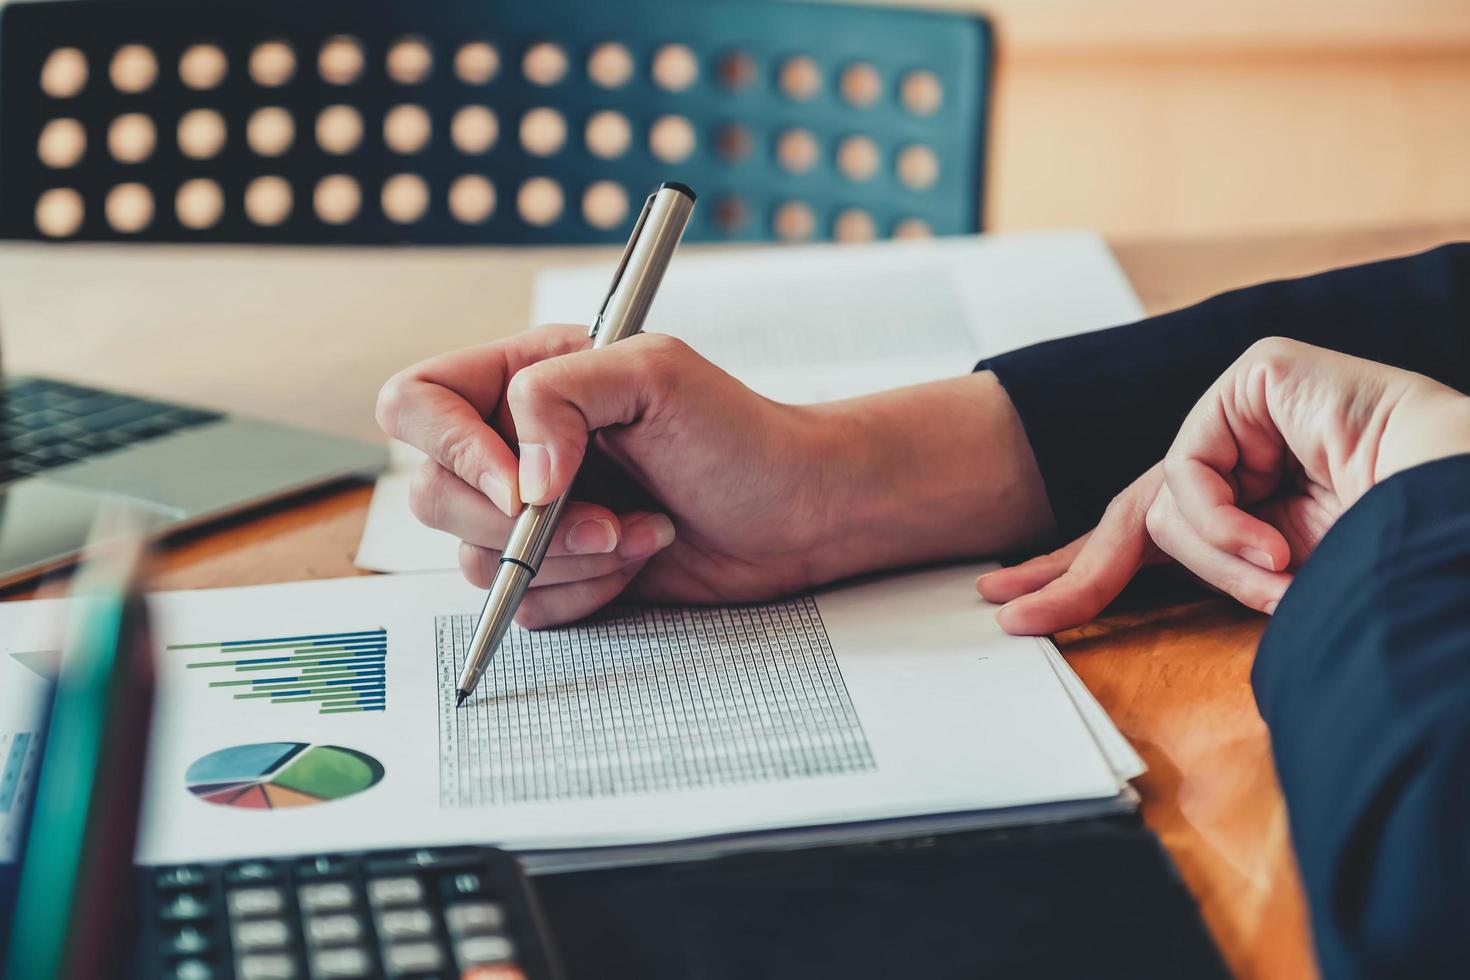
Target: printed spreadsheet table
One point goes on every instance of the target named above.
(645, 700)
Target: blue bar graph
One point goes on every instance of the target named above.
(338, 672)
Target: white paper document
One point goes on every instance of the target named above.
(822, 322)
(319, 716)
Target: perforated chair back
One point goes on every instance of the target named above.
(383, 121)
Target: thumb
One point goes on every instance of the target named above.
(557, 403)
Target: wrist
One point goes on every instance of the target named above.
(1430, 422)
(928, 473)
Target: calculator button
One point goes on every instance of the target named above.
(249, 903)
(412, 958)
(251, 872)
(184, 876)
(333, 930)
(329, 964)
(323, 867)
(333, 896)
(478, 950)
(186, 941)
(269, 966)
(191, 970)
(474, 918)
(396, 891)
(261, 935)
(183, 907)
(405, 924)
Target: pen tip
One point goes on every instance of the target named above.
(460, 697)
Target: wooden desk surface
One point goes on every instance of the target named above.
(1171, 666)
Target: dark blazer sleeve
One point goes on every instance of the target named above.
(1101, 408)
(1363, 678)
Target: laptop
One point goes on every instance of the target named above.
(66, 450)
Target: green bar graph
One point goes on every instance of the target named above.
(339, 672)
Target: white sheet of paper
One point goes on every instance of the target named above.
(822, 322)
(882, 699)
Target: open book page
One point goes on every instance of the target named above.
(319, 716)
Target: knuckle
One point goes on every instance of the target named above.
(526, 386)
(476, 564)
(425, 492)
(390, 401)
(1158, 519)
(459, 451)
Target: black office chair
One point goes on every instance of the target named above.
(497, 121)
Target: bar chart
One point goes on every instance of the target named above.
(338, 673)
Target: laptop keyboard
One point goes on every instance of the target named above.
(45, 424)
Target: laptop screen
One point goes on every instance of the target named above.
(26, 690)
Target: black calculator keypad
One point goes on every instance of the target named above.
(421, 914)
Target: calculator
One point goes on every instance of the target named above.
(466, 913)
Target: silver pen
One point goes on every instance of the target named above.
(647, 255)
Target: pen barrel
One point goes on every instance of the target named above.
(531, 534)
(652, 246)
(501, 603)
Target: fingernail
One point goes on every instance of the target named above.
(1271, 607)
(498, 491)
(648, 536)
(596, 537)
(1258, 557)
(535, 471)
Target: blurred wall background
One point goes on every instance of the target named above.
(1151, 118)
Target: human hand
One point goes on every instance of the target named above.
(1284, 442)
(695, 488)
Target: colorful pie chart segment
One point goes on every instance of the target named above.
(274, 775)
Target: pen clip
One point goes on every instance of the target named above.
(622, 264)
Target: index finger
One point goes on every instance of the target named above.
(441, 406)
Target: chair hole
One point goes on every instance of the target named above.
(476, 63)
(539, 201)
(912, 228)
(407, 129)
(339, 129)
(63, 142)
(543, 131)
(797, 150)
(337, 199)
(608, 134)
(199, 203)
(605, 204)
(918, 167)
(131, 138)
(858, 158)
(800, 78)
(268, 201)
(405, 198)
(59, 212)
(737, 71)
(474, 129)
(675, 67)
(544, 63)
(854, 225)
(731, 214)
(134, 69)
(860, 84)
(410, 60)
(734, 142)
(340, 61)
(203, 67)
(794, 221)
(921, 92)
(201, 133)
(129, 208)
(64, 74)
(270, 131)
(610, 65)
(272, 64)
(471, 199)
(672, 139)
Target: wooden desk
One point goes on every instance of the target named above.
(1171, 667)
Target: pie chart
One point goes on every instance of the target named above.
(275, 775)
